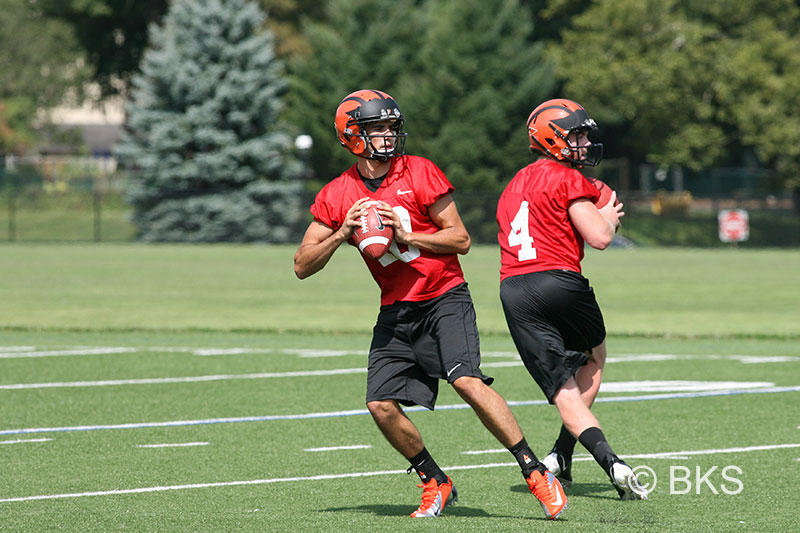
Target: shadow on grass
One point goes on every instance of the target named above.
(602, 491)
(405, 510)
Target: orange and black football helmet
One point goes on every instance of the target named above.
(550, 124)
(364, 107)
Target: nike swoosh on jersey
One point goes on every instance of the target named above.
(405, 192)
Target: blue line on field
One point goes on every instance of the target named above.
(358, 412)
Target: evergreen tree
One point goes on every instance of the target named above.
(207, 157)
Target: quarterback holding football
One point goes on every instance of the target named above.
(545, 215)
(426, 329)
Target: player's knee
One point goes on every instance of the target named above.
(469, 387)
(382, 409)
(598, 354)
(568, 396)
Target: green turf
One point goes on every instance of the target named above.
(714, 311)
(673, 292)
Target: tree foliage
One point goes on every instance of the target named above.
(687, 82)
(206, 153)
(112, 32)
(36, 71)
(114, 35)
(464, 73)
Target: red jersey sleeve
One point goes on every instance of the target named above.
(575, 186)
(327, 206)
(434, 183)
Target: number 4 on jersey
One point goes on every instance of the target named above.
(520, 234)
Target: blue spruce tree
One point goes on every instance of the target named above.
(207, 157)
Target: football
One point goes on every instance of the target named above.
(373, 238)
(605, 193)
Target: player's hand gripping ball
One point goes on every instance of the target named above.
(373, 237)
(605, 193)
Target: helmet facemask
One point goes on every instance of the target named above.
(396, 139)
(588, 155)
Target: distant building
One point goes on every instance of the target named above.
(99, 127)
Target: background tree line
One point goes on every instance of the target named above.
(676, 83)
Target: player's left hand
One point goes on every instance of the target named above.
(391, 218)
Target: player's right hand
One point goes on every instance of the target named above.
(353, 217)
(612, 212)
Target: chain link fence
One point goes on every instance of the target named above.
(81, 199)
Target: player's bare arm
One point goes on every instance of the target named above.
(596, 226)
(320, 241)
(452, 236)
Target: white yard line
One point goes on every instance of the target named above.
(23, 441)
(360, 412)
(172, 445)
(337, 448)
(31, 351)
(10, 354)
(164, 488)
(183, 379)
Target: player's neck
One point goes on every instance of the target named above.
(371, 168)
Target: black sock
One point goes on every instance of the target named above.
(525, 457)
(426, 467)
(595, 442)
(565, 443)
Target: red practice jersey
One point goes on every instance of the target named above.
(412, 185)
(535, 232)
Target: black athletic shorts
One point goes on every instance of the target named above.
(553, 318)
(415, 344)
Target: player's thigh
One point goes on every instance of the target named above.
(449, 345)
(393, 372)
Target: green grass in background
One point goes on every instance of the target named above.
(663, 292)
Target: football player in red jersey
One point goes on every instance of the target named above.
(426, 328)
(545, 215)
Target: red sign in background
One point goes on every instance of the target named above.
(734, 225)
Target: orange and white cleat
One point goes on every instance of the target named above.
(549, 492)
(435, 497)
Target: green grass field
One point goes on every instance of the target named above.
(204, 388)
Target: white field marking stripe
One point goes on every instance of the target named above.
(55, 353)
(310, 353)
(228, 351)
(337, 448)
(23, 441)
(680, 386)
(190, 379)
(623, 386)
(30, 351)
(172, 445)
(355, 475)
(663, 455)
(359, 412)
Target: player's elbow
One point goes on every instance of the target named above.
(599, 241)
(463, 244)
(300, 272)
(599, 244)
(301, 269)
